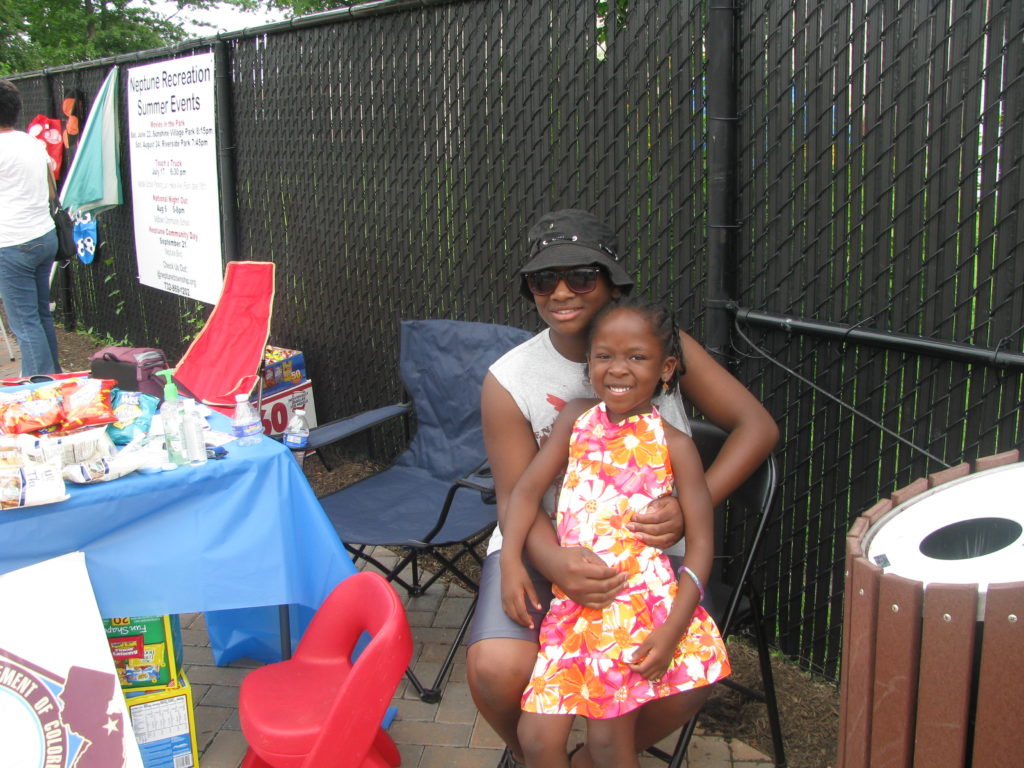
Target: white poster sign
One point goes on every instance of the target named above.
(60, 703)
(175, 194)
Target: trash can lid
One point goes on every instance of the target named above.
(966, 531)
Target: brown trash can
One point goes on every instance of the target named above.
(933, 630)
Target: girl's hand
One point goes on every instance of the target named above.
(517, 593)
(660, 524)
(654, 655)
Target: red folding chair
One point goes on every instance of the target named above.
(225, 358)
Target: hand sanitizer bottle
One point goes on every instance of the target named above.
(172, 414)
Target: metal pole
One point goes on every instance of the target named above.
(226, 151)
(722, 225)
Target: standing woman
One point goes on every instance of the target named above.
(28, 240)
(572, 271)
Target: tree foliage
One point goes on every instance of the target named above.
(45, 33)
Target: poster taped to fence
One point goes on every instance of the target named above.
(175, 195)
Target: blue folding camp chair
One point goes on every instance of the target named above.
(438, 495)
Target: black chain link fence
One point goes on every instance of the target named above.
(390, 161)
(881, 186)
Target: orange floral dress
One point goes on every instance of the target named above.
(614, 471)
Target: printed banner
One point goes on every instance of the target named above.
(175, 194)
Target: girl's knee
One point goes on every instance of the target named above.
(609, 752)
(543, 737)
(612, 742)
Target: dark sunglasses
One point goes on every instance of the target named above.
(578, 279)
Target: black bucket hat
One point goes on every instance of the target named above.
(573, 238)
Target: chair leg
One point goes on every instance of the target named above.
(433, 694)
(675, 760)
(767, 696)
(323, 461)
(768, 681)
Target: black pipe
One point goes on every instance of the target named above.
(225, 132)
(901, 342)
(722, 224)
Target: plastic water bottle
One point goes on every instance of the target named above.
(195, 439)
(246, 425)
(296, 435)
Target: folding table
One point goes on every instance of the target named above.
(243, 532)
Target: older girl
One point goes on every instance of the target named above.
(573, 270)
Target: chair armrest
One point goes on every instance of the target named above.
(325, 434)
(479, 479)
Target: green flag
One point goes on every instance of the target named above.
(93, 183)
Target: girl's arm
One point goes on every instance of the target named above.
(655, 653)
(510, 445)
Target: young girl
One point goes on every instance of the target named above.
(654, 640)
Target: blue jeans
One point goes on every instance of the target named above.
(25, 290)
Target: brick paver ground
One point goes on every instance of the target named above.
(449, 734)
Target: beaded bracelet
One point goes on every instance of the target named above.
(696, 581)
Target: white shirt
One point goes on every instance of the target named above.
(24, 189)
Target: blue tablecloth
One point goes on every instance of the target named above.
(241, 532)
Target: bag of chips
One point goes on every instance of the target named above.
(29, 486)
(31, 414)
(85, 403)
(134, 412)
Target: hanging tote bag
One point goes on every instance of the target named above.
(66, 246)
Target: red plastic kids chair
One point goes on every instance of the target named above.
(225, 358)
(319, 708)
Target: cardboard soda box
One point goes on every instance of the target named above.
(164, 724)
(282, 368)
(146, 649)
(277, 409)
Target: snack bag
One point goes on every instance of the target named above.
(134, 412)
(41, 449)
(146, 669)
(30, 415)
(11, 456)
(29, 486)
(102, 470)
(86, 402)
